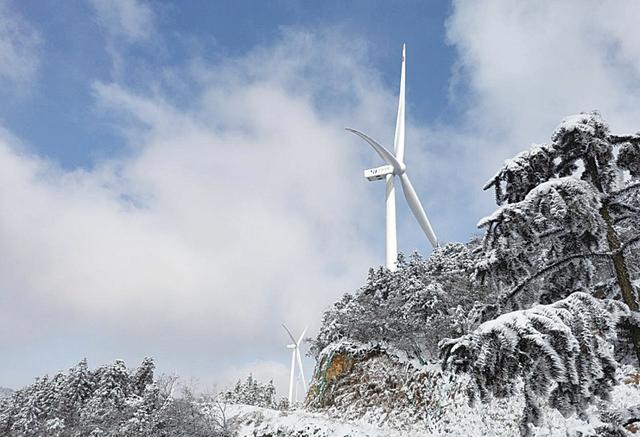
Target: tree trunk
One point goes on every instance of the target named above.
(622, 275)
(619, 263)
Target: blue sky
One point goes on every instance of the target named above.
(175, 180)
(58, 116)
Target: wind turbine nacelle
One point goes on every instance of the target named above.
(378, 173)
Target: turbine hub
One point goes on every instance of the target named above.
(402, 169)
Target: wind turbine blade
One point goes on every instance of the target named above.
(304, 382)
(417, 209)
(301, 336)
(398, 142)
(384, 153)
(290, 334)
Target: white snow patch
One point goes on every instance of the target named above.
(496, 418)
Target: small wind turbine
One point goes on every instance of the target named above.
(295, 355)
(396, 167)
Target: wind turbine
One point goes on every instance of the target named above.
(395, 166)
(295, 355)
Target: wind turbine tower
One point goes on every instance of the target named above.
(295, 356)
(395, 166)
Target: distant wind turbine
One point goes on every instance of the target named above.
(396, 167)
(295, 355)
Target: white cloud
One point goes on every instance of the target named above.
(19, 48)
(227, 217)
(130, 20)
(127, 23)
(528, 64)
(523, 66)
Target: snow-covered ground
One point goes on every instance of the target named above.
(498, 418)
(263, 422)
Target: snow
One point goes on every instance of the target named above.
(494, 418)
(576, 122)
(256, 422)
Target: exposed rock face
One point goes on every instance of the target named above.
(355, 382)
(333, 370)
(339, 364)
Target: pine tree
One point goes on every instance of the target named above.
(110, 402)
(143, 376)
(561, 352)
(252, 392)
(554, 233)
(412, 308)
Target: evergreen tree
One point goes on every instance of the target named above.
(252, 392)
(554, 233)
(561, 352)
(143, 376)
(110, 402)
(412, 308)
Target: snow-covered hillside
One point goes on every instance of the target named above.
(532, 321)
(4, 392)
(496, 418)
(262, 422)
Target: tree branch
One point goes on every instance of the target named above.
(518, 288)
(617, 139)
(631, 242)
(630, 187)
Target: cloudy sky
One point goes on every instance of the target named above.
(175, 180)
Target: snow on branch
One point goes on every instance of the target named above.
(556, 226)
(560, 352)
(522, 173)
(622, 416)
(578, 140)
(629, 158)
(550, 268)
(630, 187)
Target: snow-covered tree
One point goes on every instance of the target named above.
(143, 376)
(110, 402)
(76, 390)
(559, 353)
(252, 392)
(411, 308)
(552, 235)
(568, 217)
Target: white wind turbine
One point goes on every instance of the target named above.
(396, 167)
(295, 355)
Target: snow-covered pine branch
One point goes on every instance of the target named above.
(561, 353)
(526, 248)
(522, 173)
(629, 157)
(577, 139)
(555, 267)
(556, 226)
